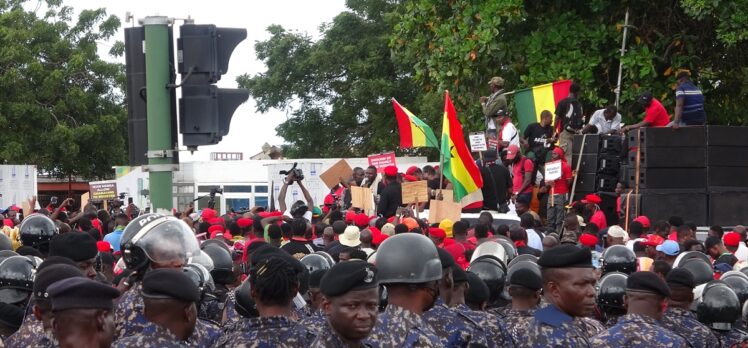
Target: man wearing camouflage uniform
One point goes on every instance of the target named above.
(678, 317)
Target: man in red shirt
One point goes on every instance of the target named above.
(593, 204)
(558, 189)
(522, 169)
(655, 114)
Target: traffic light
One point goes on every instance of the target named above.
(203, 56)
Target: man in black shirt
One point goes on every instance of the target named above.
(569, 119)
(538, 137)
(497, 183)
(391, 196)
(298, 244)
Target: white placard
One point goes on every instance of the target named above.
(552, 170)
(478, 142)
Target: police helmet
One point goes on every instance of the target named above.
(719, 307)
(738, 282)
(5, 243)
(618, 258)
(203, 259)
(610, 292)
(509, 248)
(327, 256)
(523, 257)
(314, 262)
(223, 271)
(408, 258)
(244, 304)
(491, 248)
(682, 257)
(157, 238)
(492, 271)
(702, 271)
(16, 279)
(200, 276)
(36, 231)
(4, 254)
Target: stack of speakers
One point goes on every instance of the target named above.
(599, 169)
(727, 175)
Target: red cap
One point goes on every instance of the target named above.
(208, 214)
(411, 170)
(409, 178)
(592, 198)
(103, 246)
(731, 239)
(391, 219)
(215, 229)
(244, 222)
(378, 238)
(350, 216)
(15, 208)
(390, 171)
(361, 220)
(643, 220)
(216, 221)
(560, 152)
(410, 222)
(653, 240)
(512, 151)
(9, 223)
(437, 233)
(588, 240)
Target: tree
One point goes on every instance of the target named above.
(62, 106)
(338, 88)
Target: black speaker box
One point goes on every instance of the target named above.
(671, 157)
(670, 178)
(606, 183)
(662, 204)
(608, 206)
(611, 144)
(586, 182)
(727, 136)
(728, 176)
(668, 137)
(728, 156)
(588, 164)
(626, 172)
(609, 164)
(727, 205)
(591, 143)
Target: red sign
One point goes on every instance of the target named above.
(382, 160)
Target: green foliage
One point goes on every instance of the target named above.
(61, 107)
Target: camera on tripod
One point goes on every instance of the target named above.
(297, 173)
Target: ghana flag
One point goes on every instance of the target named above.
(531, 102)
(459, 166)
(413, 132)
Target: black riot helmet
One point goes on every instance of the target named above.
(618, 258)
(200, 276)
(523, 257)
(244, 304)
(492, 271)
(315, 262)
(719, 307)
(610, 292)
(701, 270)
(5, 243)
(408, 258)
(36, 230)
(738, 282)
(223, 265)
(157, 238)
(16, 279)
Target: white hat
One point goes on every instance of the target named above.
(580, 219)
(351, 237)
(616, 231)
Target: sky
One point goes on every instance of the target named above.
(249, 129)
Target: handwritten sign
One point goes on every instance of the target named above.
(103, 189)
(552, 170)
(362, 198)
(382, 160)
(415, 191)
(440, 210)
(332, 175)
(478, 142)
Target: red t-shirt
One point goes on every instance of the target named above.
(598, 218)
(518, 174)
(561, 186)
(656, 114)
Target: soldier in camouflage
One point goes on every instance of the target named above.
(645, 298)
(678, 316)
(316, 320)
(524, 288)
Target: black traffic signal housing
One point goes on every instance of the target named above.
(203, 56)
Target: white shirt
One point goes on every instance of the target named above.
(307, 215)
(509, 133)
(533, 239)
(604, 126)
(742, 252)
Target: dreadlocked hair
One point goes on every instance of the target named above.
(274, 281)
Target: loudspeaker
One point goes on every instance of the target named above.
(586, 182)
(608, 206)
(671, 157)
(728, 176)
(627, 171)
(728, 156)
(671, 178)
(609, 164)
(727, 205)
(588, 162)
(611, 144)
(606, 183)
(591, 143)
(727, 136)
(668, 137)
(662, 204)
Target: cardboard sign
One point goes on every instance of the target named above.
(103, 189)
(415, 190)
(362, 198)
(440, 210)
(331, 176)
(448, 195)
(478, 142)
(84, 200)
(552, 170)
(382, 160)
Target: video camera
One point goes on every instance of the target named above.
(297, 173)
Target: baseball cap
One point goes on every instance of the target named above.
(592, 198)
(669, 247)
(512, 151)
(643, 220)
(653, 240)
(731, 239)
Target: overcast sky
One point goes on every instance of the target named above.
(249, 130)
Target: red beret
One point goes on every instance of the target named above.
(731, 239)
(409, 178)
(378, 238)
(215, 228)
(643, 220)
(588, 240)
(411, 170)
(592, 198)
(244, 222)
(350, 216)
(437, 233)
(390, 171)
(361, 220)
(208, 213)
(103, 246)
(217, 221)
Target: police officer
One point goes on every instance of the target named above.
(409, 266)
(149, 241)
(79, 247)
(274, 284)
(316, 321)
(222, 275)
(206, 329)
(678, 316)
(569, 289)
(719, 309)
(170, 297)
(618, 258)
(646, 293)
(16, 280)
(610, 293)
(36, 231)
(351, 299)
(524, 288)
(82, 312)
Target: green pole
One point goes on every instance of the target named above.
(158, 106)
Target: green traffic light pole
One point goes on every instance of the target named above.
(158, 105)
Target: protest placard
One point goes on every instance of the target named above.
(332, 175)
(382, 160)
(362, 198)
(415, 190)
(552, 170)
(478, 142)
(440, 210)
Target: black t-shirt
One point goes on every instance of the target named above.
(296, 247)
(569, 113)
(537, 134)
(496, 181)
